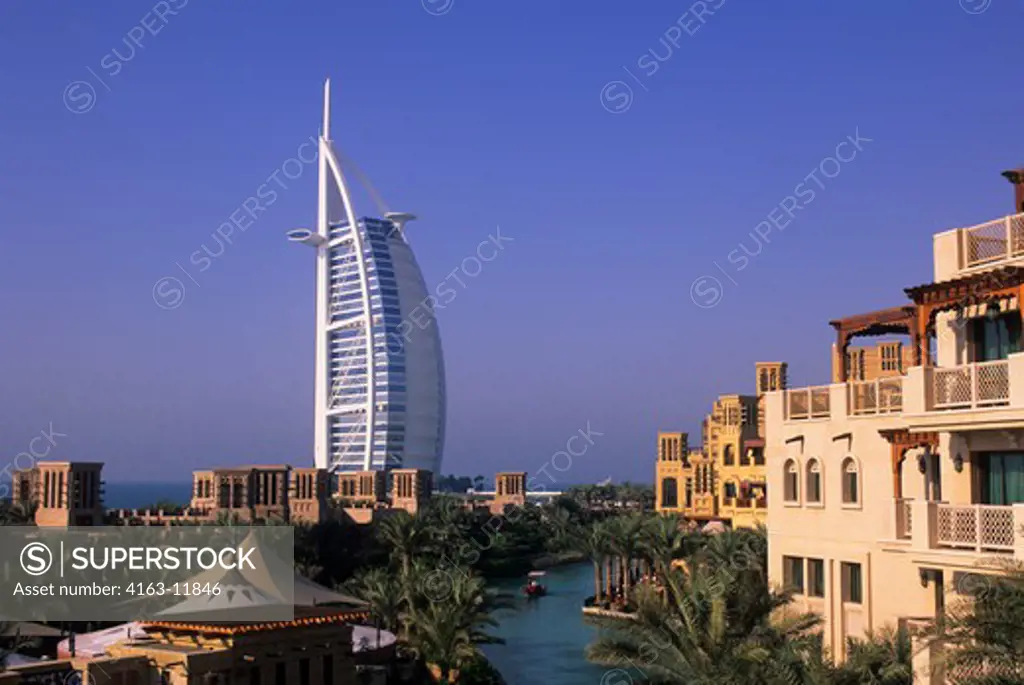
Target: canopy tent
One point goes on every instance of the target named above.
(95, 644)
(270, 583)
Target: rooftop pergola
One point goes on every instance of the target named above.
(1002, 288)
(892, 321)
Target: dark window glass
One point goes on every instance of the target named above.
(254, 675)
(304, 672)
(816, 577)
(1002, 477)
(793, 574)
(852, 583)
(995, 337)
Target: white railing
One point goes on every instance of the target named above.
(808, 403)
(880, 396)
(993, 241)
(982, 384)
(904, 519)
(980, 527)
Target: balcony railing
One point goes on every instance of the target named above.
(761, 503)
(982, 384)
(993, 241)
(979, 527)
(880, 396)
(904, 519)
(808, 403)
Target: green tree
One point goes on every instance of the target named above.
(693, 631)
(406, 536)
(884, 658)
(448, 617)
(983, 636)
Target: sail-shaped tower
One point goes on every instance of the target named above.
(380, 387)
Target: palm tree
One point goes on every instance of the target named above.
(593, 542)
(663, 540)
(407, 536)
(446, 634)
(383, 592)
(884, 658)
(625, 540)
(983, 636)
(695, 634)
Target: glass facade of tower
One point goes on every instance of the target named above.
(407, 369)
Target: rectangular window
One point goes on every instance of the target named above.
(304, 672)
(816, 577)
(853, 590)
(793, 574)
(281, 673)
(254, 675)
(1002, 477)
(730, 490)
(995, 337)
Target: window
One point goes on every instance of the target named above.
(793, 574)
(730, 490)
(892, 357)
(669, 492)
(792, 482)
(304, 672)
(280, 674)
(816, 577)
(728, 456)
(814, 481)
(851, 492)
(254, 675)
(853, 590)
(995, 337)
(1002, 477)
(689, 493)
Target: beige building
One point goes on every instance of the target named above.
(725, 479)
(895, 486)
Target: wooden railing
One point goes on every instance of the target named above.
(979, 527)
(880, 396)
(981, 384)
(904, 519)
(993, 241)
(808, 403)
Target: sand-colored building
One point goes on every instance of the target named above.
(893, 489)
(725, 478)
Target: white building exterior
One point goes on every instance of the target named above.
(380, 386)
(892, 497)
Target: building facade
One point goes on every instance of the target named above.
(724, 479)
(379, 376)
(899, 486)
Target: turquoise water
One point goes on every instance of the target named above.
(545, 638)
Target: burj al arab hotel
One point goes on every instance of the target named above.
(380, 388)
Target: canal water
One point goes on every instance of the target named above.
(545, 638)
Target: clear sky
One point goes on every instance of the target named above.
(475, 114)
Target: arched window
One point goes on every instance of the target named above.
(851, 481)
(791, 483)
(814, 481)
(669, 493)
(728, 456)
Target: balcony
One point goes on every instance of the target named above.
(976, 528)
(880, 396)
(991, 243)
(808, 403)
(979, 395)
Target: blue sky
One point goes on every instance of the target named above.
(116, 167)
